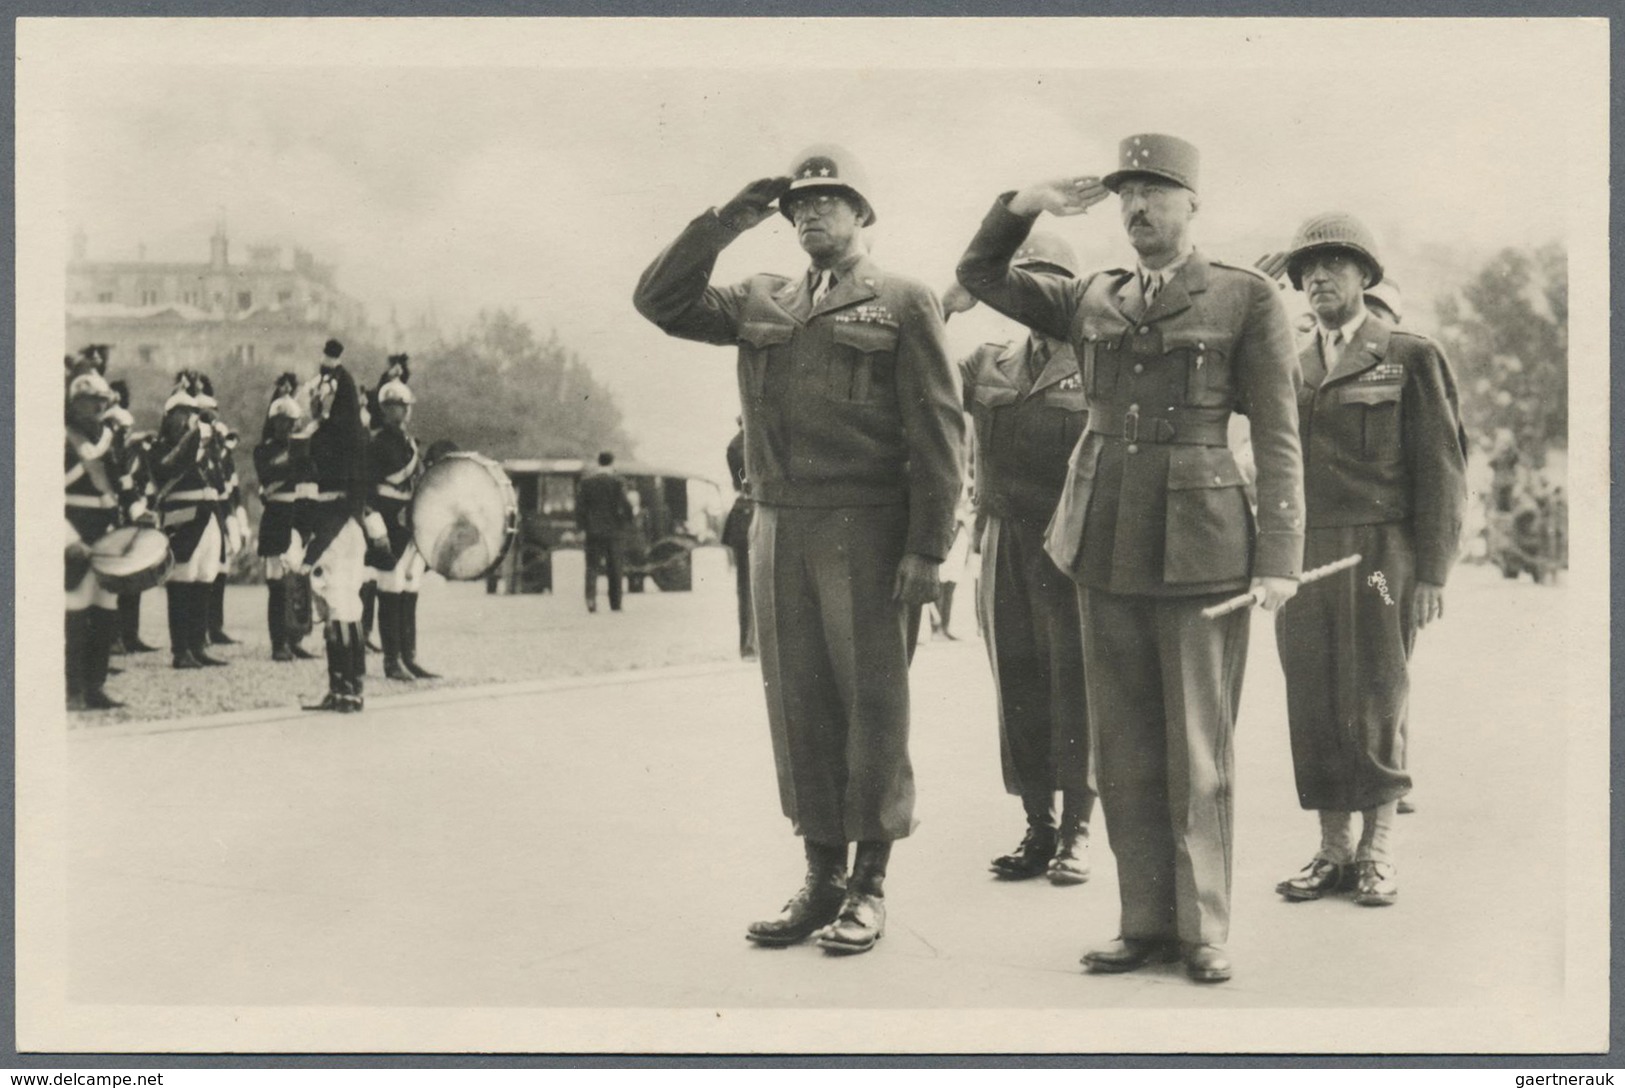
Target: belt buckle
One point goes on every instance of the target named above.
(1131, 426)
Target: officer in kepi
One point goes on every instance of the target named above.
(1384, 478)
(1153, 524)
(853, 432)
(395, 464)
(92, 505)
(1026, 398)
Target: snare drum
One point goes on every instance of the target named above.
(133, 559)
(464, 516)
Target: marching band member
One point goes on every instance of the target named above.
(395, 464)
(229, 510)
(130, 451)
(287, 485)
(187, 504)
(92, 509)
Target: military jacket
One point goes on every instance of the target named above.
(394, 462)
(851, 402)
(1154, 502)
(1383, 442)
(91, 490)
(1026, 427)
(187, 495)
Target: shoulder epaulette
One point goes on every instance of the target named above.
(1243, 268)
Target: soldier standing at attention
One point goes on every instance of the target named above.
(394, 461)
(603, 514)
(92, 504)
(1385, 476)
(1027, 401)
(287, 478)
(130, 452)
(188, 504)
(1153, 524)
(853, 433)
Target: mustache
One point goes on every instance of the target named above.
(1139, 220)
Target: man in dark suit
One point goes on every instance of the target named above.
(1385, 477)
(603, 513)
(853, 433)
(1153, 524)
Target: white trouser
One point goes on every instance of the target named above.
(335, 580)
(289, 562)
(204, 564)
(407, 575)
(90, 594)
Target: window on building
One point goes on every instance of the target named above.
(245, 299)
(149, 297)
(245, 353)
(283, 298)
(147, 352)
(104, 296)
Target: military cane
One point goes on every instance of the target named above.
(1247, 600)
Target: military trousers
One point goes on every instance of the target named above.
(833, 646)
(1164, 687)
(1030, 615)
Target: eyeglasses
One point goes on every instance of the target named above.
(821, 203)
(1335, 263)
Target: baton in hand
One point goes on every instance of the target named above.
(1247, 600)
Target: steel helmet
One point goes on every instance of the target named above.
(1333, 230)
(1047, 251)
(828, 167)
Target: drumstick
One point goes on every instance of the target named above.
(1246, 600)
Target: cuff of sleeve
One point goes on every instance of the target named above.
(713, 226)
(1002, 204)
(1434, 572)
(1279, 555)
(932, 543)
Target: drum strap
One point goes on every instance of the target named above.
(92, 502)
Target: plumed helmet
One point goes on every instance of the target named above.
(332, 349)
(285, 405)
(96, 356)
(395, 392)
(89, 383)
(828, 168)
(1046, 252)
(1333, 230)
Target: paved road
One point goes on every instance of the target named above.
(602, 841)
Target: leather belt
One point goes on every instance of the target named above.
(1178, 428)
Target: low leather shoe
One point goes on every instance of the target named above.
(1320, 877)
(860, 924)
(1377, 884)
(810, 909)
(1070, 865)
(1207, 963)
(1130, 954)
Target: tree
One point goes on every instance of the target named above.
(1507, 334)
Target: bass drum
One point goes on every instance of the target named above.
(464, 516)
(132, 559)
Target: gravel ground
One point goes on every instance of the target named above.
(463, 633)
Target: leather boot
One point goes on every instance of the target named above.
(180, 640)
(76, 632)
(1032, 857)
(862, 920)
(357, 662)
(129, 610)
(369, 602)
(100, 631)
(338, 669)
(197, 621)
(1070, 865)
(297, 619)
(814, 906)
(217, 613)
(389, 633)
(276, 619)
(409, 638)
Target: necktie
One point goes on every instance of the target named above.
(824, 285)
(1153, 284)
(1037, 360)
(1330, 349)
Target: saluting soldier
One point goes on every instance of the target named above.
(92, 505)
(188, 505)
(853, 432)
(1027, 400)
(1153, 524)
(287, 478)
(336, 551)
(395, 463)
(1385, 477)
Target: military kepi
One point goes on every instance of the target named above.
(1158, 156)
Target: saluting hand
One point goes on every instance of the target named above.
(956, 300)
(753, 204)
(1060, 196)
(1427, 604)
(916, 581)
(1272, 265)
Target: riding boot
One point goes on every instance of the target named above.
(292, 585)
(1070, 865)
(1032, 857)
(815, 905)
(357, 643)
(409, 638)
(338, 668)
(862, 920)
(75, 653)
(199, 596)
(129, 610)
(276, 618)
(180, 638)
(369, 598)
(101, 629)
(217, 613)
(389, 633)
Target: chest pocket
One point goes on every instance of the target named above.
(1203, 355)
(762, 346)
(863, 369)
(1379, 422)
(1092, 336)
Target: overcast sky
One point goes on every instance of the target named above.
(546, 188)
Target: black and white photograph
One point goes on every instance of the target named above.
(813, 536)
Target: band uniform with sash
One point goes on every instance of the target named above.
(1153, 524)
(91, 500)
(221, 473)
(1027, 402)
(853, 437)
(1385, 477)
(131, 453)
(287, 478)
(395, 464)
(189, 513)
